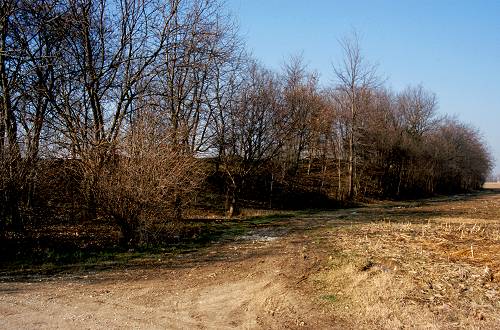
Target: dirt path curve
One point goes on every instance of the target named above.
(268, 279)
(255, 281)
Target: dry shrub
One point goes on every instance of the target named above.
(147, 183)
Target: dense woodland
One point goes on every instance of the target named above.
(144, 112)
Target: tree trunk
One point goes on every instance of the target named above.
(350, 167)
(232, 205)
(128, 230)
(271, 187)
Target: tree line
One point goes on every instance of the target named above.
(133, 110)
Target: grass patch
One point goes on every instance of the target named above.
(267, 219)
(190, 236)
(208, 232)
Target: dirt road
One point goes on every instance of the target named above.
(256, 281)
(324, 270)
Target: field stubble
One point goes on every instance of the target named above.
(436, 265)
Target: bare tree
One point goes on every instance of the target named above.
(252, 131)
(9, 149)
(417, 110)
(30, 46)
(355, 78)
(463, 161)
(301, 106)
(416, 118)
(109, 51)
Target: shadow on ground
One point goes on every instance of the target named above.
(219, 240)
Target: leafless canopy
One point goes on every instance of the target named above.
(149, 105)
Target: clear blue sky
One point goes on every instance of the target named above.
(450, 47)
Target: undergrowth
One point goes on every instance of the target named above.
(190, 236)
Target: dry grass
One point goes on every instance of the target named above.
(491, 185)
(432, 266)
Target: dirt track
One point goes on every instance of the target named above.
(254, 282)
(271, 278)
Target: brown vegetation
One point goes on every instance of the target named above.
(133, 112)
(132, 130)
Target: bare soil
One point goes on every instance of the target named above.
(426, 264)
